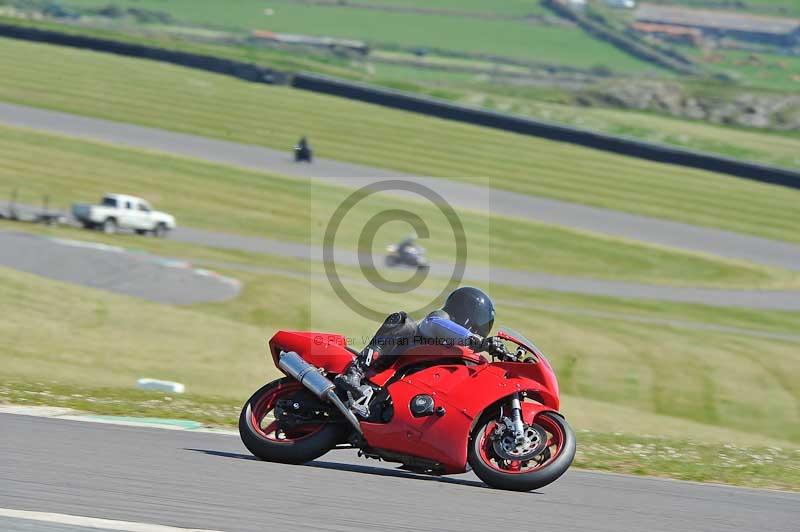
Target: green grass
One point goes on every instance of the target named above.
(739, 143)
(640, 389)
(238, 201)
(650, 369)
(518, 39)
(502, 7)
(766, 7)
(559, 303)
(731, 463)
(180, 99)
(760, 70)
(474, 89)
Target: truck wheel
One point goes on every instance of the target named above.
(110, 226)
(141, 232)
(160, 231)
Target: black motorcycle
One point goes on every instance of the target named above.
(413, 256)
(303, 152)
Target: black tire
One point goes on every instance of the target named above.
(109, 226)
(524, 481)
(160, 231)
(289, 452)
(141, 232)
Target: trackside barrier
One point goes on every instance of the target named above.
(210, 63)
(423, 105)
(527, 126)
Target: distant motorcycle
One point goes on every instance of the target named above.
(303, 152)
(437, 410)
(413, 256)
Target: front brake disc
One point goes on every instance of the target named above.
(506, 447)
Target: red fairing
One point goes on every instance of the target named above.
(323, 350)
(460, 381)
(465, 392)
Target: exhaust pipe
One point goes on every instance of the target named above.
(310, 377)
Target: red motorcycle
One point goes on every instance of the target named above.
(437, 410)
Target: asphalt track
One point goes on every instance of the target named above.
(209, 481)
(113, 269)
(650, 230)
(460, 195)
(756, 299)
(157, 279)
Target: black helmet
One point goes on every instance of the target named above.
(470, 308)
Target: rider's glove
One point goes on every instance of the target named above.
(494, 346)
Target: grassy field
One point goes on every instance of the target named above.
(510, 38)
(619, 378)
(144, 92)
(759, 70)
(610, 354)
(767, 7)
(504, 7)
(475, 89)
(740, 143)
(226, 199)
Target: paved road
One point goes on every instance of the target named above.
(673, 234)
(113, 269)
(156, 278)
(201, 480)
(756, 299)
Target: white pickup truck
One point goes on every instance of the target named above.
(117, 211)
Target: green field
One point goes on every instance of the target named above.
(613, 356)
(141, 92)
(475, 89)
(621, 380)
(759, 70)
(635, 374)
(767, 7)
(603, 363)
(226, 199)
(677, 390)
(739, 143)
(503, 7)
(517, 39)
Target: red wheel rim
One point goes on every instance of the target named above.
(264, 423)
(555, 444)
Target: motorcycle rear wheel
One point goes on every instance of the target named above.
(553, 462)
(266, 439)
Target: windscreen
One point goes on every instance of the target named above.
(527, 344)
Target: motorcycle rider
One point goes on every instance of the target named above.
(302, 150)
(407, 246)
(465, 319)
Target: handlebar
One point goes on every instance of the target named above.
(497, 349)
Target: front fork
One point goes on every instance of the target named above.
(516, 419)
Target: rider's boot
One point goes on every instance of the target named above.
(358, 392)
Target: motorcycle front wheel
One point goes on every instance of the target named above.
(267, 439)
(531, 473)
